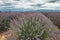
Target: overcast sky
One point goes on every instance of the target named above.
(30, 4)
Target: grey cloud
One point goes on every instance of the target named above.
(16, 0)
(6, 4)
(53, 1)
(38, 5)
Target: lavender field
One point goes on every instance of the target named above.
(29, 26)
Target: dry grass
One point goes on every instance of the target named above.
(5, 35)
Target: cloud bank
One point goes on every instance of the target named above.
(29, 5)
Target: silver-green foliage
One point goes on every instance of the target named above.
(32, 28)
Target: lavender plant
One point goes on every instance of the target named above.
(32, 28)
(4, 24)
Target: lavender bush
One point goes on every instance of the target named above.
(5, 21)
(31, 28)
(4, 24)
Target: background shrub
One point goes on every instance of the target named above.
(4, 24)
(5, 21)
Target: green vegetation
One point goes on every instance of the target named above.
(25, 28)
(4, 24)
(31, 28)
